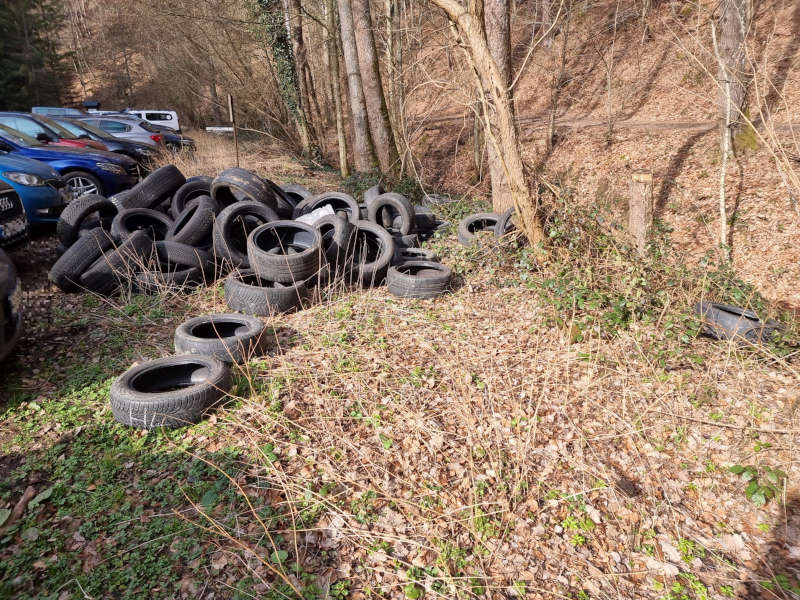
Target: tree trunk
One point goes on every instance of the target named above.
(364, 154)
(294, 28)
(733, 23)
(640, 208)
(498, 36)
(333, 63)
(506, 141)
(394, 70)
(379, 124)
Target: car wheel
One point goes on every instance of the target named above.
(83, 183)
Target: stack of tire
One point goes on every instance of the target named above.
(280, 243)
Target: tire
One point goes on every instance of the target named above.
(78, 212)
(247, 293)
(387, 209)
(418, 279)
(403, 255)
(67, 270)
(195, 224)
(153, 223)
(504, 224)
(285, 251)
(237, 185)
(424, 220)
(725, 322)
(228, 337)
(120, 200)
(296, 193)
(372, 193)
(338, 237)
(284, 205)
(340, 202)
(474, 223)
(155, 188)
(195, 187)
(169, 392)
(406, 241)
(174, 266)
(120, 265)
(373, 252)
(232, 228)
(83, 184)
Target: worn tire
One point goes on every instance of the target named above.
(229, 337)
(155, 188)
(232, 228)
(338, 237)
(247, 293)
(393, 212)
(474, 223)
(237, 185)
(145, 395)
(403, 255)
(418, 279)
(285, 251)
(339, 201)
(80, 211)
(373, 252)
(174, 266)
(725, 322)
(504, 224)
(372, 193)
(75, 261)
(195, 187)
(195, 224)
(284, 204)
(121, 265)
(297, 193)
(154, 224)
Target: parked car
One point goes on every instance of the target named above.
(133, 128)
(44, 193)
(57, 111)
(142, 153)
(85, 171)
(13, 223)
(37, 126)
(10, 309)
(165, 118)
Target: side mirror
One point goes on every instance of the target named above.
(43, 137)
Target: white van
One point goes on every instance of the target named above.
(165, 118)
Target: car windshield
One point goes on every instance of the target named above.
(82, 127)
(62, 132)
(18, 137)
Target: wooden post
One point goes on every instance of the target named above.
(640, 208)
(233, 124)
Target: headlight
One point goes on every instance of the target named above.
(25, 178)
(117, 170)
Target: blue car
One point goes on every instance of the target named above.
(44, 193)
(85, 171)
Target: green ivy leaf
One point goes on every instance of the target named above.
(4, 514)
(758, 498)
(751, 489)
(279, 556)
(41, 497)
(413, 591)
(736, 469)
(209, 499)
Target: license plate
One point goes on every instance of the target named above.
(16, 299)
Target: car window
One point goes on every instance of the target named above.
(26, 126)
(113, 126)
(58, 129)
(158, 116)
(84, 126)
(18, 137)
(71, 127)
(148, 127)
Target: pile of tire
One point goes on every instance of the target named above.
(279, 244)
(469, 228)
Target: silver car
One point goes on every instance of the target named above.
(126, 128)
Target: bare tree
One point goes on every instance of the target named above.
(379, 124)
(364, 154)
(333, 63)
(294, 29)
(732, 25)
(503, 136)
